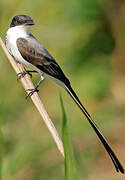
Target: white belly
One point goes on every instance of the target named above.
(12, 48)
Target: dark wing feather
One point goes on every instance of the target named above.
(33, 52)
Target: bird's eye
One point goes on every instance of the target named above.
(16, 21)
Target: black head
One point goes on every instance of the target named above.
(21, 20)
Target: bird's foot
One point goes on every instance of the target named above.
(32, 91)
(22, 74)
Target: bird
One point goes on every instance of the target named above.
(27, 50)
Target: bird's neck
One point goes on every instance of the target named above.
(18, 31)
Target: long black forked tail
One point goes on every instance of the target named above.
(112, 155)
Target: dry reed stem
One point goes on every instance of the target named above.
(27, 84)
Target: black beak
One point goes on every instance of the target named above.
(30, 23)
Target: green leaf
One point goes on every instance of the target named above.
(70, 169)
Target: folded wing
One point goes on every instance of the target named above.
(33, 52)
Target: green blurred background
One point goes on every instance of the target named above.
(87, 39)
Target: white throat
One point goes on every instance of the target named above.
(18, 31)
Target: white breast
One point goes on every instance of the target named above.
(12, 35)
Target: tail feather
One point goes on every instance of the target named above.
(112, 155)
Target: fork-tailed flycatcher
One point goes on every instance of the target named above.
(25, 48)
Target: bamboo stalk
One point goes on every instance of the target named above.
(27, 84)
